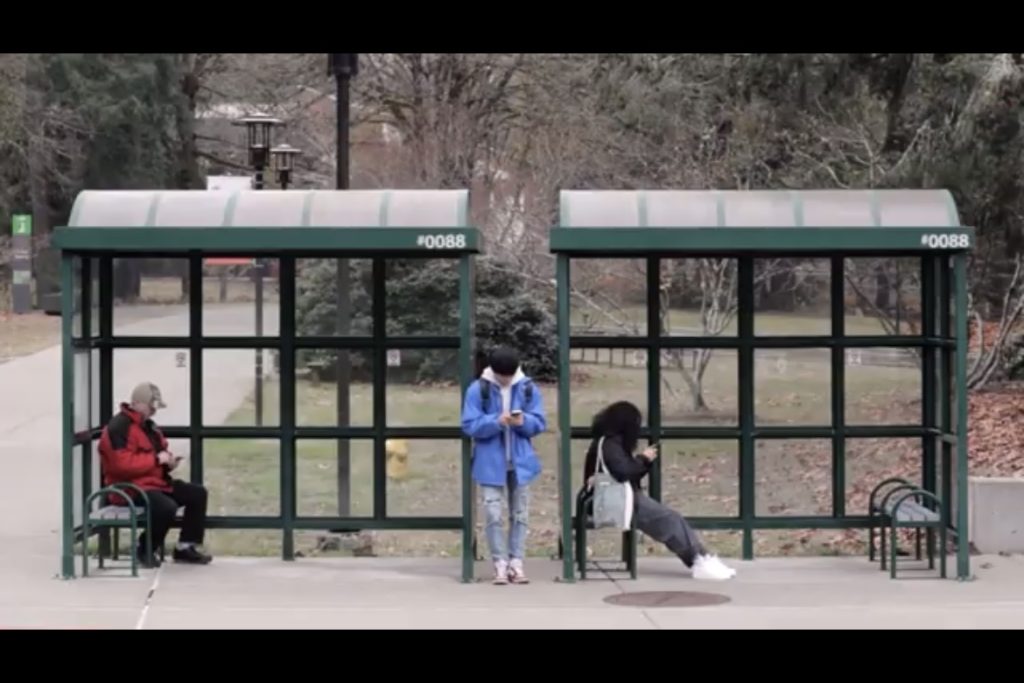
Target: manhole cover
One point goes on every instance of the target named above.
(666, 599)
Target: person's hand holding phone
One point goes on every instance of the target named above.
(165, 458)
(505, 420)
(516, 418)
(651, 452)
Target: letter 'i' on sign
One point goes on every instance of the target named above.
(22, 224)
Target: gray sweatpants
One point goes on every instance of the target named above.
(667, 526)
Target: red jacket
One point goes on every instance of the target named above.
(128, 452)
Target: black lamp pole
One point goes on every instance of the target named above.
(259, 128)
(344, 67)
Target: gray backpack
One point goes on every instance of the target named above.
(613, 500)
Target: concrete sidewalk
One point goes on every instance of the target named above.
(369, 593)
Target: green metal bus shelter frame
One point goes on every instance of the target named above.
(375, 225)
(747, 225)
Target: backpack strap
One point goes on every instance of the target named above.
(485, 394)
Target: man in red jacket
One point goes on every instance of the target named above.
(133, 449)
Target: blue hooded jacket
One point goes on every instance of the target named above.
(494, 445)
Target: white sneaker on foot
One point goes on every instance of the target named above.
(516, 573)
(710, 568)
(500, 573)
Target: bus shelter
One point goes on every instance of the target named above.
(734, 234)
(286, 232)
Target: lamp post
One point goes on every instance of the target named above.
(343, 66)
(282, 159)
(260, 131)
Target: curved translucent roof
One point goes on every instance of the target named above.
(271, 209)
(756, 208)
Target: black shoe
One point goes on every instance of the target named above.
(147, 563)
(191, 555)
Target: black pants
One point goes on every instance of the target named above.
(164, 507)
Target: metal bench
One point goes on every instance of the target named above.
(582, 521)
(116, 517)
(897, 504)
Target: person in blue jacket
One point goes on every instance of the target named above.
(502, 413)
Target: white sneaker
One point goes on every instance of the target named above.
(710, 568)
(500, 573)
(516, 573)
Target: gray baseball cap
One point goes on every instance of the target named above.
(148, 393)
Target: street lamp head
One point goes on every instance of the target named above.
(282, 156)
(343, 64)
(259, 128)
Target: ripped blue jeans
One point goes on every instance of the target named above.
(518, 503)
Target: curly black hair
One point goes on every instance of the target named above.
(621, 419)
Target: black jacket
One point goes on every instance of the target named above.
(621, 465)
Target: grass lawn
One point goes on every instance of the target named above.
(699, 477)
(21, 335)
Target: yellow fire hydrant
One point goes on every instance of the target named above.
(397, 458)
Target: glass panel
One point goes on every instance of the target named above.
(166, 368)
(869, 462)
(97, 469)
(423, 388)
(793, 477)
(699, 387)
(792, 297)
(423, 478)
(609, 297)
(81, 395)
(883, 386)
(76, 324)
(793, 387)
(316, 305)
(422, 297)
(94, 313)
(317, 478)
(243, 476)
(231, 391)
(882, 296)
(245, 542)
(94, 388)
(151, 297)
(700, 478)
(599, 377)
(183, 449)
(246, 297)
(77, 470)
(316, 388)
(699, 297)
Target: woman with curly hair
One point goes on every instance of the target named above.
(617, 429)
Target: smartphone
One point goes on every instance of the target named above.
(516, 413)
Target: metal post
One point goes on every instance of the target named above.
(838, 359)
(467, 358)
(67, 300)
(258, 185)
(654, 368)
(287, 415)
(745, 379)
(963, 558)
(343, 67)
(565, 496)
